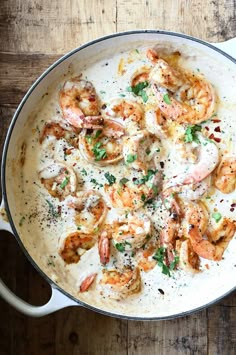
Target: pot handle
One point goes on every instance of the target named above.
(228, 47)
(57, 301)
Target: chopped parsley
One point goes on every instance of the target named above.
(123, 181)
(190, 133)
(98, 133)
(64, 183)
(94, 181)
(143, 197)
(217, 216)
(145, 178)
(138, 90)
(167, 99)
(131, 158)
(89, 139)
(84, 172)
(160, 256)
(110, 178)
(99, 152)
(121, 246)
(52, 209)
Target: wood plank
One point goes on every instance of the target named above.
(53, 26)
(187, 335)
(210, 20)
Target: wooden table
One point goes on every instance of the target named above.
(34, 34)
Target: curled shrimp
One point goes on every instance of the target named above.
(87, 282)
(75, 245)
(132, 231)
(129, 111)
(90, 210)
(156, 123)
(104, 146)
(79, 104)
(212, 250)
(207, 160)
(193, 103)
(135, 148)
(130, 195)
(120, 284)
(225, 176)
(104, 246)
(59, 179)
(188, 260)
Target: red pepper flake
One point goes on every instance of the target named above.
(221, 200)
(74, 164)
(207, 266)
(207, 128)
(218, 140)
(217, 129)
(233, 205)
(216, 121)
(92, 98)
(232, 209)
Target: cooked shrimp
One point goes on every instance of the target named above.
(144, 256)
(193, 103)
(104, 246)
(103, 147)
(135, 149)
(196, 214)
(223, 232)
(132, 196)
(212, 250)
(90, 210)
(58, 131)
(133, 231)
(59, 179)
(167, 77)
(225, 176)
(141, 75)
(208, 157)
(156, 123)
(79, 104)
(87, 282)
(129, 111)
(120, 284)
(75, 245)
(188, 260)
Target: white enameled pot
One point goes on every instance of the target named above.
(224, 52)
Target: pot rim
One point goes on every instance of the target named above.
(4, 160)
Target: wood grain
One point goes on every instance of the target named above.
(33, 35)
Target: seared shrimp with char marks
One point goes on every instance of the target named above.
(120, 284)
(225, 176)
(129, 111)
(90, 210)
(132, 231)
(75, 245)
(80, 105)
(59, 179)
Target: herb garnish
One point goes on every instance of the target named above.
(121, 246)
(167, 99)
(138, 90)
(123, 181)
(145, 178)
(110, 178)
(160, 256)
(190, 133)
(64, 183)
(52, 209)
(84, 172)
(131, 158)
(217, 216)
(99, 152)
(98, 133)
(94, 181)
(89, 139)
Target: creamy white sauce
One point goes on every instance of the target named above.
(43, 235)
